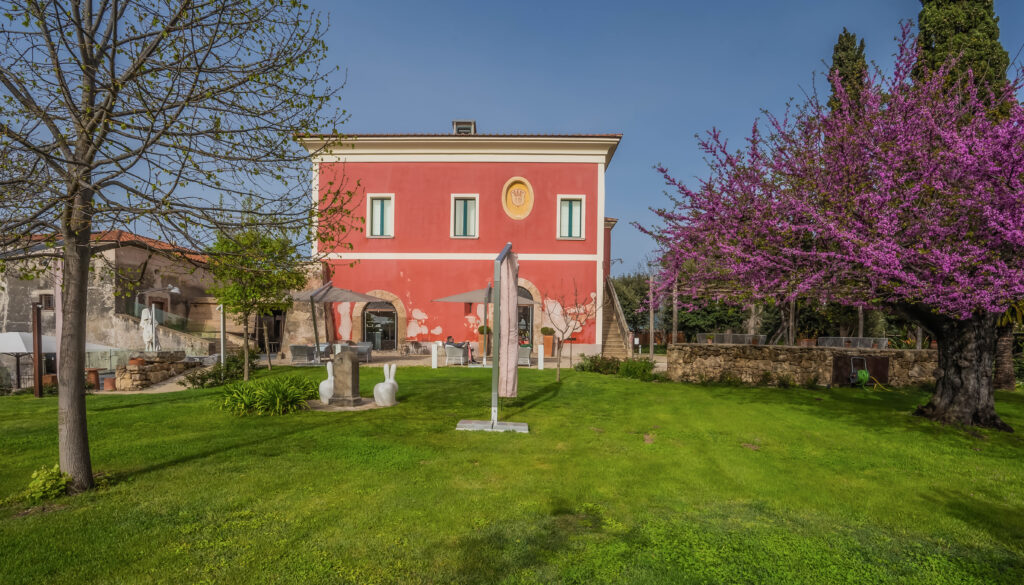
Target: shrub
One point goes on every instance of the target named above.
(547, 331)
(233, 369)
(784, 381)
(46, 484)
(637, 368)
(598, 364)
(766, 379)
(729, 379)
(1018, 368)
(270, 396)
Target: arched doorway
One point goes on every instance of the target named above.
(380, 325)
(524, 317)
(359, 311)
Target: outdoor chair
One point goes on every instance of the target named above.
(301, 353)
(364, 351)
(456, 354)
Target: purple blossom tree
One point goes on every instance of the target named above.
(912, 201)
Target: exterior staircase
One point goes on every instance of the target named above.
(615, 334)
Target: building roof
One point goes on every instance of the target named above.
(115, 238)
(584, 148)
(456, 136)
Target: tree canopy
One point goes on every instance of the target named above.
(255, 272)
(966, 30)
(158, 117)
(913, 202)
(849, 68)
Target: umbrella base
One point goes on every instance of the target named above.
(486, 425)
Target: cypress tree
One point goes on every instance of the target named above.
(964, 29)
(849, 62)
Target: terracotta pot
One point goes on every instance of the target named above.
(110, 384)
(92, 375)
(549, 345)
(137, 362)
(934, 344)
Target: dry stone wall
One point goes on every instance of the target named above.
(158, 367)
(756, 364)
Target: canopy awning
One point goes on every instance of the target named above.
(478, 296)
(329, 293)
(21, 343)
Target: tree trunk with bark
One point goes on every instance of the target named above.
(245, 347)
(73, 435)
(558, 360)
(1004, 379)
(963, 392)
(266, 343)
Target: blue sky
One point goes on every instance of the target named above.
(657, 72)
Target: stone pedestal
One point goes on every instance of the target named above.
(346, 378)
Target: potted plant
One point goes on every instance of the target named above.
(549, 340)
(486, 332)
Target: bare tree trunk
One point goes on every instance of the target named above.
(963, 393)
(860, 321)
(675, 312)
(266, 344)
(245, 348)
(1004, 359)
(73, 435)
(791, 334)
(558, 360)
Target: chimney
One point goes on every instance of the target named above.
(467, 127)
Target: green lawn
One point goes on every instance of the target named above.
(618, 482)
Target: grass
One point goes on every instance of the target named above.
(619, 481)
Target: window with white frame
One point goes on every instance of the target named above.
(380, 215)
(465, 221)
(570, 217)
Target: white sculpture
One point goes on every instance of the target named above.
(148, 326)
(327, 386)
(384, 393)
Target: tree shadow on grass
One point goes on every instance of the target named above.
(494, 552)
(881, 410)
(531, 400)
(184, 395)
(1003, 522)
(262, 439)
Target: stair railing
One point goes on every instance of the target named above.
(619, 316)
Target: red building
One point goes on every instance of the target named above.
(439, 208)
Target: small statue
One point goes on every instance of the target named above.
(327, 386)
(384, 393)
(147, 325)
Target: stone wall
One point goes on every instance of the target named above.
(753, 364)
(123, 331)
(158, 367)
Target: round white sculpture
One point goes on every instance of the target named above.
(327, 386)
(384, 393)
